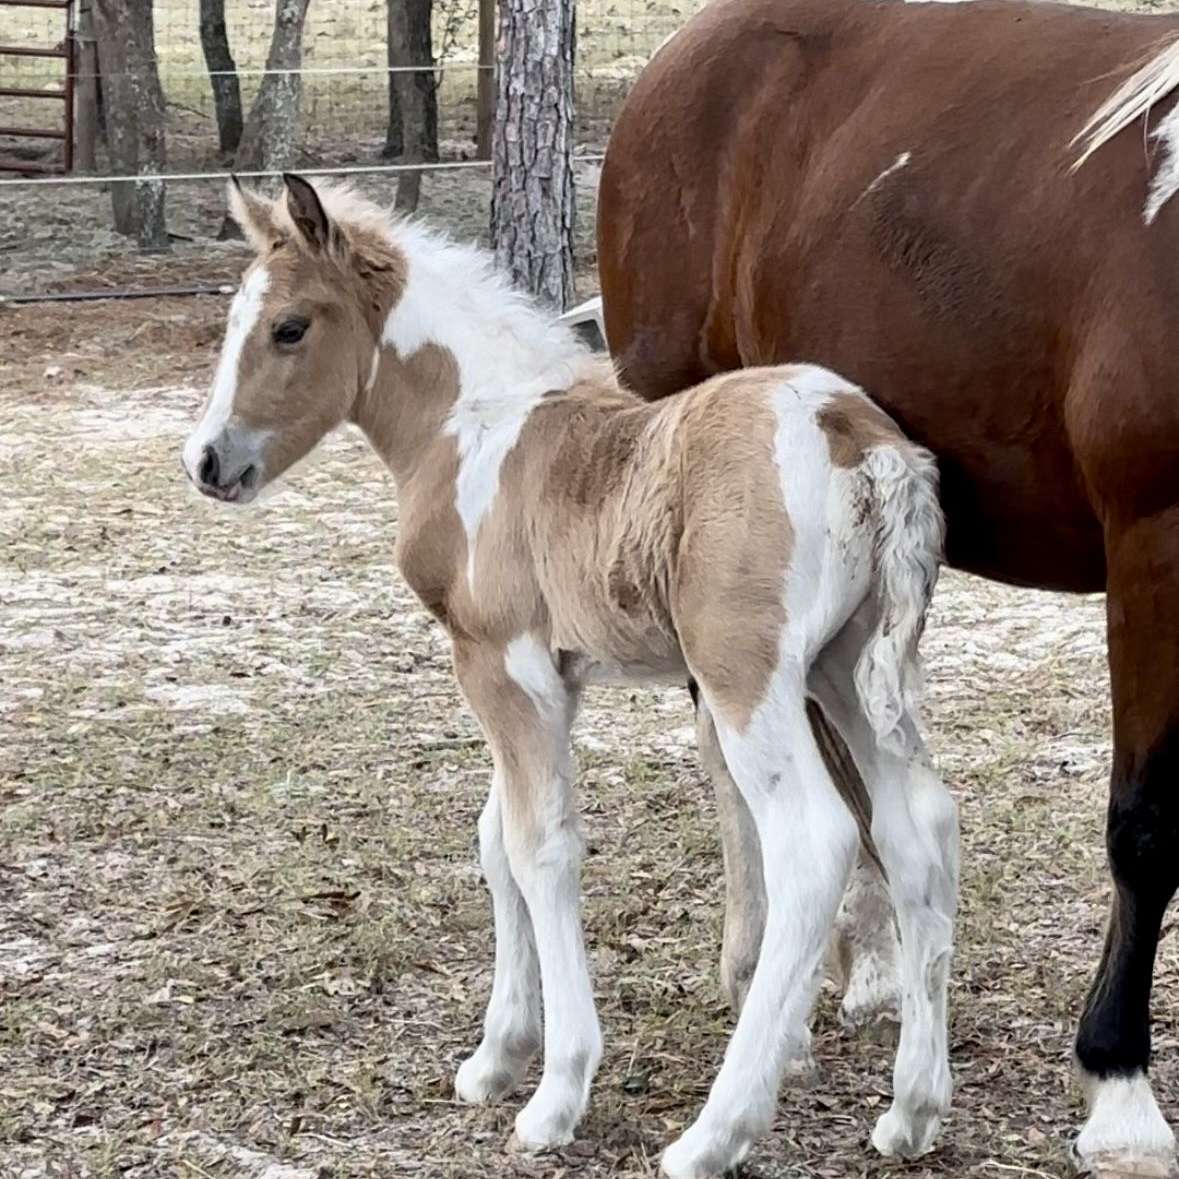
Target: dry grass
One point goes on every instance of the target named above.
(241, 921)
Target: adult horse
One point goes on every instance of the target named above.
(965, 209)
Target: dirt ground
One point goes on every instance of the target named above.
(242, 927)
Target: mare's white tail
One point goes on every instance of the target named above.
(909, 540)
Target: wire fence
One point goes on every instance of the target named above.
(57, 230)
(344, 72)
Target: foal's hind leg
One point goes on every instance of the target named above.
(863, 956)
(808, 840)
(866, 954)
(915, 828)
(745, 894)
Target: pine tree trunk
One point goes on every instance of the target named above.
(227, 92)
(413, 97)
(271, 133)
(136, 129)
(532, 207)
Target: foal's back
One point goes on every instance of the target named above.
(695, 526)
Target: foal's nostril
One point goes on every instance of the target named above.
(210, 467)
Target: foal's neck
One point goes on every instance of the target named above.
(461, 353)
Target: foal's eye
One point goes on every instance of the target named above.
(290, 331)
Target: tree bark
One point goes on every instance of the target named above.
(413, 97)
(135, 123)
(227, 91)
(271, 132)
(532, 207)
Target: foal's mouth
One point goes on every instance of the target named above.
(240, 491)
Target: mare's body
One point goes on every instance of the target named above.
(888, 189)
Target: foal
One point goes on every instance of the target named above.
(770, 534)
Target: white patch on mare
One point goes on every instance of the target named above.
(243, 315)
(1124, 1125)
(902, 161)
(1165, 182)
(508, 353)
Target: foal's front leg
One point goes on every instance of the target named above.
(511, 1029)
(526, 709)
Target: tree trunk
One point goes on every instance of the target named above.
(532, 206)
(271, 132)
(227, 92)
(412, 95)
(135, 123)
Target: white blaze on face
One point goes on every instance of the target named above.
(243, 315)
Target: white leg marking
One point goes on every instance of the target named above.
(243, 315)
(1125, 1134)
(808, 840)
(511, 1029)
(547, 871)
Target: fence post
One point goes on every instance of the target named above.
(84, 91)
(485, 116)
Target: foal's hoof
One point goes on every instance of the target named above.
(903, 1136)
(872, 1012)
(877, 1025)
(478, 1083)
(699, 1155)
(1124, 1165)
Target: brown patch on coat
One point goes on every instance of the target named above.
(736, 544)
(853, 426)
(404, 417)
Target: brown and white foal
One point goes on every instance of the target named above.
(770, 534)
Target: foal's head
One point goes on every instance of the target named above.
(302, 339)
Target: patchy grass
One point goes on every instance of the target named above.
(241, 921)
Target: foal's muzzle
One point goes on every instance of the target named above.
(222, 472)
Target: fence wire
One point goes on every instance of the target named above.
(52, 231)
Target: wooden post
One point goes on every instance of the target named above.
(85, 92)
(485, 112)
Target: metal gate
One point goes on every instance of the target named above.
(64, 94)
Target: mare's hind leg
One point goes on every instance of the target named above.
(808, 840)
(915, 828)
(1126, 1134)
(863, 957)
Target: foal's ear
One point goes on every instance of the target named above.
(254, 215)
(308, 214)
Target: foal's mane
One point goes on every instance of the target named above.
(376, 234)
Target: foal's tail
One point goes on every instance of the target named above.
(909, 535)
